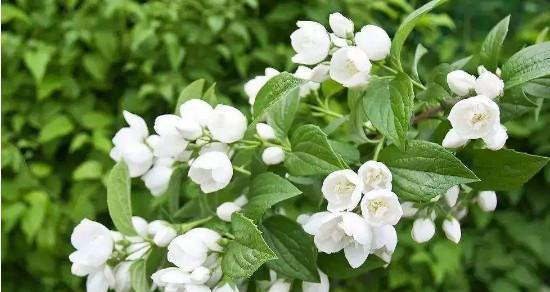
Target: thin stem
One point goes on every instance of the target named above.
(241, 170)
(187, 226)
(414, 82)
(325, 111)
(378, 149)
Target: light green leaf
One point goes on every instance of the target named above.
(538, 88)
(210, 95)
(175, 51)
(138, 276)
(12, 12)
(96, 65)
(357, 115)
(418, 54)
(266, 190)
(337, 267)
(58, 127)
(388, 105)
(191, 91)
(247, 252)
(295, 250)
(405, 29)
(504, 169)
(490, 48)
(530, 63)
(36, 213)
(311, 153)
(37, 61)
(281, 115)
(424, 171)
(90, 169)
(118, 198)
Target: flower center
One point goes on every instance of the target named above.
(377, 207)
(344, 189)
(350, 65)
(374, 177)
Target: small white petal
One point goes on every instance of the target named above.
(452, 195)
(265, 131)
(423, 230)
(487, 201)
(140, 226)
(273, 155)
(460, 82)
(374, 41)
(452, 140)
(227, 124)
(497, 139)
(196, 110)
(451, 227)
(340, 25)
(225, 210)
(489, 84)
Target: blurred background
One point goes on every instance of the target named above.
(69, 67)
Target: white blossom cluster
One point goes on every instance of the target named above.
(105, 256)
(280, 284)
(340, 227)
(424, 224)
(477, 116)
(199, 135)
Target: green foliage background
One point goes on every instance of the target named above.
(69, 67)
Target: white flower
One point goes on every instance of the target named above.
(381, 207)
(336, 231)
(452, 140)
(226, 288)
(265, 131)
(140, 226)
(409, 210)
(196, 110)
(189, 128)
(323, 286)
(311, 43)
(338, 41)
(93, 244)
(303, 218)
(190, 250)
(452, 195)
(460, 82)
(423, 230)
(167, 146)
(100, 280)
(253, 86)
(374, 41)
(475, 117)
(155, 226)
(340, 25)
(280, 285)
(212, 171)
(200, 275)
(273, 155)
(350, 67)
(384, 242)
(175, 279)
(487, 201)
(225, 210)
(489, 84)
(157, 178)
(451, 227)
(207, 236)
(123, 282)
(320, 73)
(178, 127)
(375, 175)
(164, 236)
(216, 147)
(129, 145)
(306, 73)
(227, 124)
(497, 139)
(342, 189)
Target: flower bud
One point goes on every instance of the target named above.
(265, 131)
(338, 41)
(408, 209)
(140, 226)
(311, 43)
(189, 129)
(340, 25)
(197, 110)
(452, 195)
(489, 84)
(241, 201)
(374, 41)
(423, 230)
(227, 124)
(225, 210)
(164, 236)
(451, 227)
(460, 82)
(212, 171)
(487, 201)
(155, 226)
(273, 155)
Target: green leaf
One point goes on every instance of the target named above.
(538, 88)
(311, 153)
(418, 54)
(96, 65)
(138, 275)
(336, 266)
(210, 95)
(424, 171)
(118, 198)
(37, 61)
(504, 169)
(58, 127)
(405, 29)
(11, 12)
(247, 252)
(191, 91)
(347, 151)
(277, 97)
(295, 250)
(267, 190)
(530, 63)
(490, 48)
(388, 105)
(33, 218)
(357, 115)
(90, 169)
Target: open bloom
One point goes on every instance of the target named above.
(384, 242)
(212, 171)
(375, 175)
(342, 189)
(227, 124)
(350, 67)
(93, 243)
(460, 82)
(157, 178)
(381, 207)
(451, 227)
(130, 145)
(190, 250)
(374, 41)
(101, 279)
(340, 25)
(423, 230)
(273, 155)
(489, 84)
(175, 279)
(345, 230)
(311, 43)
(253, 86)
(487, 201)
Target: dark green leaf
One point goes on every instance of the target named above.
(191, 91)
(490, 48)
(530, 63)
(336, 266)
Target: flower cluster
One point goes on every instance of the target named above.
(280, 284)
(199, 135)
(358, 235)
(350, 53)
(477, 116)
